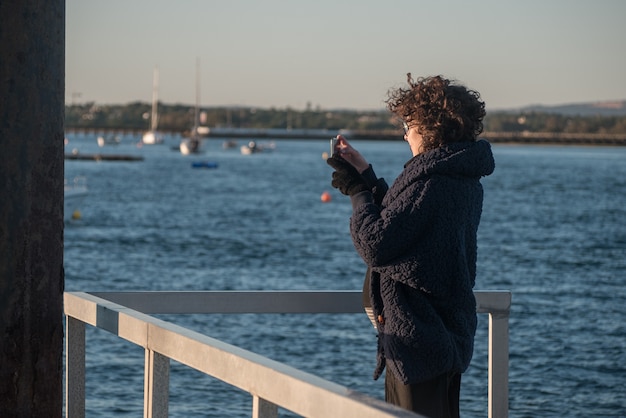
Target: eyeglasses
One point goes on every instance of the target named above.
(406, 127)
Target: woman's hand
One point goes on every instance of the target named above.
(351, 155)
(346, 178)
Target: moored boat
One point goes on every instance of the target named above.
(108, 140)
(192, 144)
(152, 137)
(253, 147)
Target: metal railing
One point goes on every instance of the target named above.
(271, 384)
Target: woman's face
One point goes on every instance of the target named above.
(413, 137)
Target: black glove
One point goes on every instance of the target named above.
(378, 186)
(346, 178)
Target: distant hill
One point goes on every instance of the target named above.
(608, 108)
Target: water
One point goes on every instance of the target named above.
(552, 232)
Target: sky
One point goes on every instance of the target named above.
(343, 54)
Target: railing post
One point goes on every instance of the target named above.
(498, 365)
(156, 385)
(74, 368)
(262, 408)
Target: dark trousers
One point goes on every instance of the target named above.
(436, 398)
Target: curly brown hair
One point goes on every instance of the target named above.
(443, 111)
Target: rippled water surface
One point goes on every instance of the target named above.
(552, 232)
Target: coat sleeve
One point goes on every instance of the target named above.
(383, 234)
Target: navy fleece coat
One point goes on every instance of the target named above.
(420, 247)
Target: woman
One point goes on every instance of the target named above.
(418, 239)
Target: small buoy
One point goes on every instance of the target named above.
(326, 197)
(76, 214)
(325, 155)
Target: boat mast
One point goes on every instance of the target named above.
(155, 100)
(197, 110)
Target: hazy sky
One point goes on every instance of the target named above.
(344, 54)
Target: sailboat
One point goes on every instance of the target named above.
(192, 144)
(152, 136)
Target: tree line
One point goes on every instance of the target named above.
(180, 118)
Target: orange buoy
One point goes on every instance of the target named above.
(326, 197)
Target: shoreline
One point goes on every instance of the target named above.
(523, 138)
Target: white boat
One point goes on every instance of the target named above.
(192, 144)
(108, 140)
(152, 136)
(73, 197)
(252, 148)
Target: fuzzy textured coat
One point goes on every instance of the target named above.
(420, 247)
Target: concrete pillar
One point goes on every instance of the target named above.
(32, 81)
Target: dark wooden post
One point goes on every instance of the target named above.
(32, 80)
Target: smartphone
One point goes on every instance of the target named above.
(333, 146)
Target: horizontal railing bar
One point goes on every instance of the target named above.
(288, 301)
(493, 301)
(237, 301)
